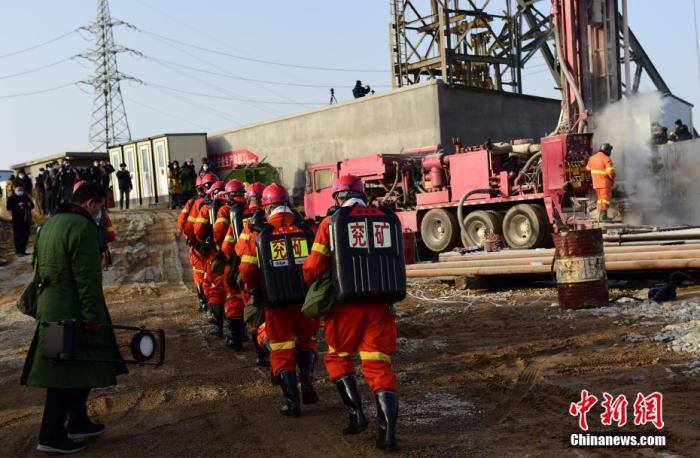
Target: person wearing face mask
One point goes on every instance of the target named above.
(24, 181)
(207, 167)
(68, 264)
(20, 205)
(187, 177)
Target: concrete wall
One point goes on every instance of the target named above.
(387, 122)
(477, 115)
(410, 117)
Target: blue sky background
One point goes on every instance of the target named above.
(331, 34)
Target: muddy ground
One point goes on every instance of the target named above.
(488, 374)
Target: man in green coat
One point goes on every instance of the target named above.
(187, 177)
(70, 274)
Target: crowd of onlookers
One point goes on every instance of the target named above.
(182, 179)
(661, 135)
(54, 183)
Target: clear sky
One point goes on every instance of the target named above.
(331, 34)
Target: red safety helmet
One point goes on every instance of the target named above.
(78, 184)
(254, 190)
(348, 183)
(234, 186)
(209, 179)
(198, 181)
(275, 194)
(218, 186)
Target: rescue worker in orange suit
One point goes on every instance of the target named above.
(199, 252)
(603, 175)
(214, 288)
(253, 197)
(292, 335)
(235, 203)
(367, 326)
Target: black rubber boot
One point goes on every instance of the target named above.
(387, 412)
(202, 306)
(235, 340)
(306, 360)
(356, 420)
(218, 329)
(603, 216)
(260, 353)
(291, 406)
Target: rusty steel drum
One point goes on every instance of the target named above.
(579, 265)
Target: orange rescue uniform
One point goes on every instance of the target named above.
(197, 260)
(603, 175)
(287, 328)
(223, 231)
(367, 327)
(214, 287)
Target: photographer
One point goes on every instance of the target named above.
(68, 265)
(360, 91)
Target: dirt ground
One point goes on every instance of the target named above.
(488, 375)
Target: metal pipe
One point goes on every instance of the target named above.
(510, 254)
(692, 234)
(547, 260)
(642, 264)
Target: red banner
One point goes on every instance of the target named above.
(232, 159)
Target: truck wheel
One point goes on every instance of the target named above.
(439, 230)
(523, 226)
(477, 224)
(546, 232)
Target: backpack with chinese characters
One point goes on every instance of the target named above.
(281, 254)
(367, 254)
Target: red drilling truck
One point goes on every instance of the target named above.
(520, 191)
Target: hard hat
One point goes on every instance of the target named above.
(78, 184)
(606, 148)
(218, 186)
(198, 181)
(209, 179)
(348, 183)
(254, 190)
(274, 194)
(234, 186)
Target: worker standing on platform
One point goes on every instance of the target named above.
(271, 262)
(603, 175)
(364, 322)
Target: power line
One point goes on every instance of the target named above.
(223, 97)
(242, 78)
(14, 53)
(165, 113)
(211, 110)
(36, 69)
(41, 91)
(261, 61)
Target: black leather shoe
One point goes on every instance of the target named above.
(65, 446)
(291, 406)
(356, 420)
(85, 431)
(306, 360)
(387, 413)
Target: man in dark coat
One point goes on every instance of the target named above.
(125, 185)
(681, 132)
(107, 170)
(68, 266)
(94, 173)
(187, 177)
(20, 205)
(359, 90)
(67, 177)
(24, 181)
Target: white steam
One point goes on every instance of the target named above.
(652, 193)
